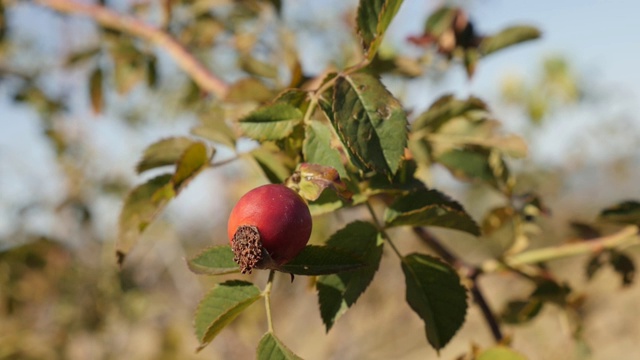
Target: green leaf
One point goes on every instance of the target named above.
(257, 67)
(272, 164)
(371, 122)
(446, 108)
(624, 266)
(373, 19)
(404, 180)
(551, 291)
(627, 212)
(216, 260)
(595, 263)
(271, 122)
(500, 352)
(145, 202)
(476, 163)
(129, 64)
(294, 97)
(508, 37)
(328, 202)
(141, 206)
(434, 292)
(249, 89)
(96, 91)
(164, 152)
(271, 348)
(440, 21)
(193, 160)
(319, 148)
(221, 306)
(322, 260)
(338, 292)
(213, 127)
(521, 311)
(430, 208)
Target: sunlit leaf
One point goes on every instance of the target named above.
(145, 202)
(258, 67)
(216, 260)
(508, 37)
(164, 152)
(318, 147)
(141, 206)
(475, 163)
(193, 160)
(213, 127)
(370, 122)
(373, 19)
(221, 306)
(249, 89)
(434, 292)
(271, 122)
(338, 292)
(440, 20)
(446, 108)
(272, 164)
(271, 348)
(430, 208)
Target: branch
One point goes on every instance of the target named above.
(627, 236)
(128, 24)
(487, 313)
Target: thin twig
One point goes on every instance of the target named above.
(627, 236)
(128, 24)
(437, 247)
(267, 300)
(382, 231)
(487, 313)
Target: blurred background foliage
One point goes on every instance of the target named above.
(80, 102)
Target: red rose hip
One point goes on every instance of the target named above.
(269, 226)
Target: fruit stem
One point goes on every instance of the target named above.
(382, 230)
(267, 299)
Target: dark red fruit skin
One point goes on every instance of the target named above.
(281, 216)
